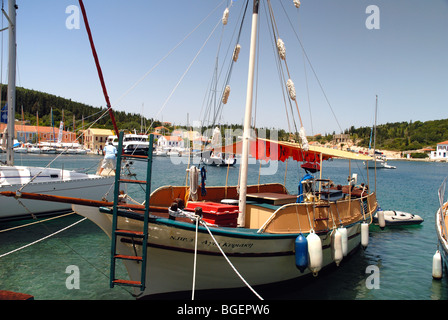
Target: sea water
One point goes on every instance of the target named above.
(399, 258)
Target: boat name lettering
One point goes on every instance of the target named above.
(228, 244)
(178, 238)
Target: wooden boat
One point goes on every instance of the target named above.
(182, 239)
(441, 224)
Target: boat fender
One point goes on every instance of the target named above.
(315, 255)
(437, 266)
(336, 247)
(301, 252)
(364, 234)
(344, 239)
(381, 220)
(225, 16)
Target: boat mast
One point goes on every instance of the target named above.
(11, 97)
(247, 118)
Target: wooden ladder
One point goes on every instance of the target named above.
(116, 232)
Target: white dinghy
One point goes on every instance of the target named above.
(398, 218)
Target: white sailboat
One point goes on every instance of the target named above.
(17, 179)
(269, 236)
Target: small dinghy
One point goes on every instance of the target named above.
(398, 218)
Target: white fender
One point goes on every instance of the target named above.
(364, 234)
(381, 220)
(344, 238)
(437, 265)
(336, 247)
(314, 252)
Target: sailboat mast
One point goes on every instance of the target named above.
(247, 118)
(11, 82)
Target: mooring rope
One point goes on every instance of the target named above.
(46, 237)
(31, 223)
(230, 263)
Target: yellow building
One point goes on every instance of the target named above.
(95, 139)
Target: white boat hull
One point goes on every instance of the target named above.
(259, 258)
(51, 181)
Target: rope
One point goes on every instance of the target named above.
(195, 257)
(31, 223)
(37, 241)
(231, 265)
(193, 216)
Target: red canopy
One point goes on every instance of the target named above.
(264, 149)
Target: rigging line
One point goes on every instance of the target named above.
(241, 18)
(167, 55)
(230, 69)
(315, 74)
(185, 73)
(306, 76)
(279, 70)
(282, 76)
(286, 64)
(282, 80)
(55, 158)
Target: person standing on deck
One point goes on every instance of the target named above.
(110, 153)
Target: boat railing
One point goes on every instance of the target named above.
(306, 216)
(443, 210)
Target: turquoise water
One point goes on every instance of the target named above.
(403, 255)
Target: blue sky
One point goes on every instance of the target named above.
(405, 62)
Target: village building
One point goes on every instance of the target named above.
(441, 152)
(341, 138)
(161, 130)
(169, 142)
(36, 134)
(95, 139)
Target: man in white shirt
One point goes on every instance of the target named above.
(110, 153)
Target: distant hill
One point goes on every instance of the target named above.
(34, 102)
(398, 136)
(401, 136)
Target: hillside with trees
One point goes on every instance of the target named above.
(398, 136)
(35, 102)
(401, 136)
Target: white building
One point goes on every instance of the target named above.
(441, 153)
(170, 142)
